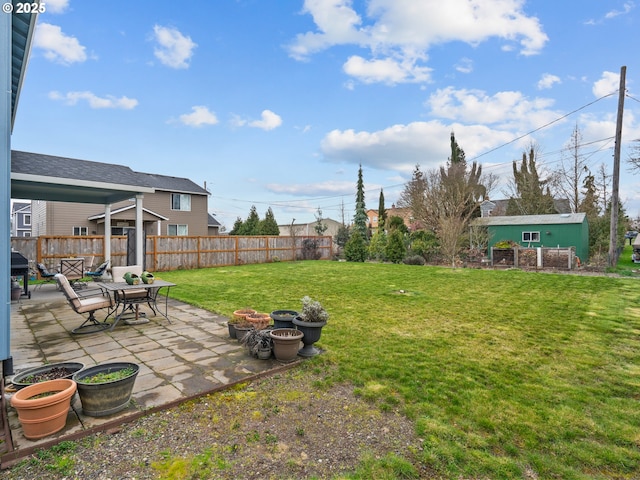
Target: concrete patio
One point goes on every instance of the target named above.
(189, 357)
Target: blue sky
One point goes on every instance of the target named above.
(275, 103)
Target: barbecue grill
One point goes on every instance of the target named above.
(20, 268)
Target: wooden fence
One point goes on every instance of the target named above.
(165, 253)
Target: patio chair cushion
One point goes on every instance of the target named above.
(85, 303)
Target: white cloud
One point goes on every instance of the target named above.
(547, 81)
(627, 7)
(199, 116)
(174, 49)
(400, 147)
(506, 110)
(608, 83)
(72, 98)
(328, 188)
(387, 70)
(399, 33)
(465, 65)
(57, 46)
(269, 121)
(56, 6)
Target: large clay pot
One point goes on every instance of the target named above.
(46, 415)
(286, 343)
(24, 378)
(312, 332)
(100, 399)
(260, 321)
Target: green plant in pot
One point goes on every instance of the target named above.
(258, 343)
(310, 321)
(106, 388)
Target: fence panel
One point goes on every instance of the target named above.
(164, 253)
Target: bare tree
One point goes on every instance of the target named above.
(603, 180)
(572, 171)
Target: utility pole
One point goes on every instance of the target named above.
(615, 200)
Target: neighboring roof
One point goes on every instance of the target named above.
(561, 205)
(555, 219)
(212, 222)
(48, 177)
(174, 184)
(99, 216)
(21, 207)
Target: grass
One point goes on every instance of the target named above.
(506, 374)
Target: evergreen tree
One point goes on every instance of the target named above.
(342, 236)
(396, 249)
(319, 227)
(590, 198)
(251, 225)
(360, 218)
(382, 212)
(269, 226)
(532, 193)
(237, 227)
(378, 245)
(355, 250)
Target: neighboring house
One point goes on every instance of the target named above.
(497, 208)
(213, 226)
(404, 213)
(308, 229)
(21, 219)
(177, 205)
(558, 230)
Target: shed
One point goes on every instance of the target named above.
(559, 230)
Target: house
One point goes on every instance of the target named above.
(557, 230)
(496, 208)
(404, 213)
(173, 206)
(308, 229)
(21, 219)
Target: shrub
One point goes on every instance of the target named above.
(414, 260)
(395, 249)
(377, 246)
(310, 250)
(355, 249)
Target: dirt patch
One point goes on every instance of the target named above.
(285, 426)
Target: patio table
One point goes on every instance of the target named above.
(119, 290)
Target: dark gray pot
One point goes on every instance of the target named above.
(100, 399)
(312, 332)
(19, 382)
(283, 318)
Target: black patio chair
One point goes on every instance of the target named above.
(98, 272)
(45, 274)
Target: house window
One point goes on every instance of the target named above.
(27, 219)
(80, 231)
(26, 234)
(530, 236)
(181, 201)
(177, 230)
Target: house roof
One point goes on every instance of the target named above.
(100, 216)
(48, 177)
(21, 207)
(555, 219)
(212, 222)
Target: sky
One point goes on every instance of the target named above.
(275, 103)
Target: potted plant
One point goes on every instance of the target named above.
(258, 343)
(283, 318)
(286, 343)
(43, 407)
(43, 373)
(259, 321)
(310, 321)
(106, 388)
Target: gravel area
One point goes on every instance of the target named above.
(286, 426)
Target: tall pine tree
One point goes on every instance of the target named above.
(382, 212)
(360, 217)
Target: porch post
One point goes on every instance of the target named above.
(107, 233)
(5, 198)
(139, 231)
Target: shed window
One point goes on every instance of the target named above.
(530, 236)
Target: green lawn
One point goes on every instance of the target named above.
(506, 374)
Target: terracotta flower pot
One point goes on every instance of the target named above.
(259, 321)
(45, 415)
(242, 313)
(286, 343)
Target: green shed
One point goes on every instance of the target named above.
(531, 231)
